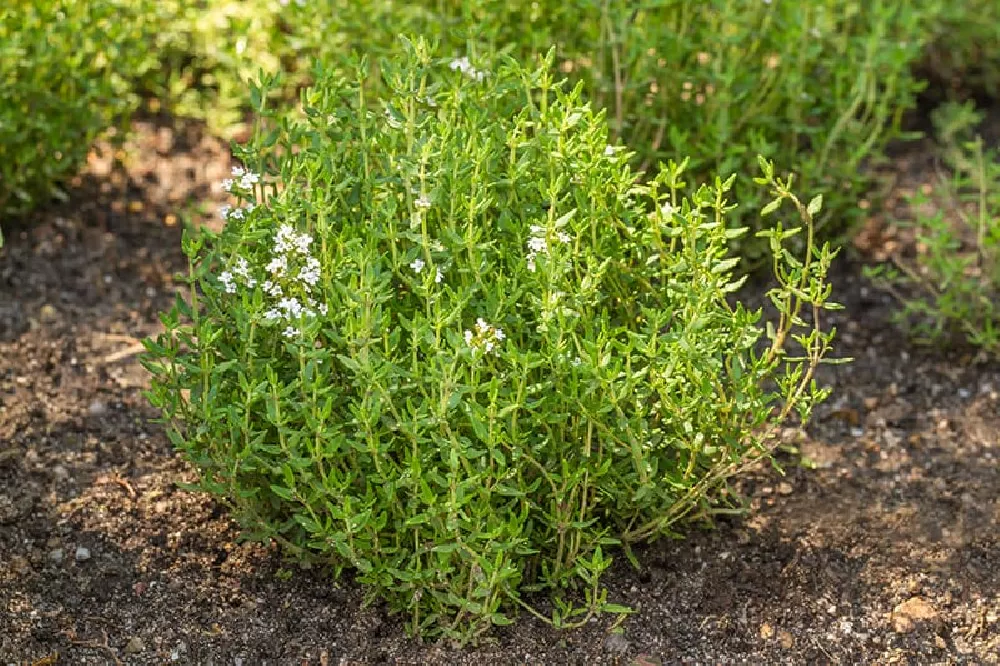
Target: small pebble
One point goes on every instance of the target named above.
(97, 408)
(56, 556)
(134, 645)
(82, 554)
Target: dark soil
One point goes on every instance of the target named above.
(881, 544)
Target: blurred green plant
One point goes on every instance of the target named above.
(963, 56)
(951, 286)
(449, 340)
(65, 71)
(207, 51)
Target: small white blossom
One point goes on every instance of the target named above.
(290, 332)
(537, 244)
(417, 265)
(248, 180)
(272, 288)
(226, 278)
(238, 171)
(309, 274)
(291, 306)
(423, 202)
(609, 151)
(438, 276)
(224, 211)
(236, 214)
(278, 266)
(563, 237)
(323, 309)
(486, 336)
(463, 65)
(227, 184)
(667, 209)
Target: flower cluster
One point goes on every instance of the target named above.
(247, 179)
(486, 337)
(291, 251)
(463, 65)
(241, 270)
(227, 212)
(291, 267)
(538, 243)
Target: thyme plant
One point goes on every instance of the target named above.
(448, 340)
(949, 288)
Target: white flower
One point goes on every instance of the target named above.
(309, 274)
(236, 213)
(272, 289)
(537, 244)
(609, 151)
(238, 171)
(463, 65)
(417, 265)
(248, 180)
(227, 184)
(224, 211)
(667, 209)
(563, 237)
(439, 276)
(486, 336)
(323, 309)
(291, 306)
(423, 202)
(278, 265)
(226, 278)
(290, 332)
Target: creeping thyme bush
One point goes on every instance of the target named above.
(951, 287)
(65, 67)
(446, 339)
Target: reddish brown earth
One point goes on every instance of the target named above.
(881, 544)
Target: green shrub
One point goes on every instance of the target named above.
(444, 341)
(821, 85)
(207, 51)
(64, 72)
(951, 286)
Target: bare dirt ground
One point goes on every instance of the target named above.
(881, 544)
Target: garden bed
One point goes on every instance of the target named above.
(881, 544)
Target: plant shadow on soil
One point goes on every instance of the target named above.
(884, 548)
